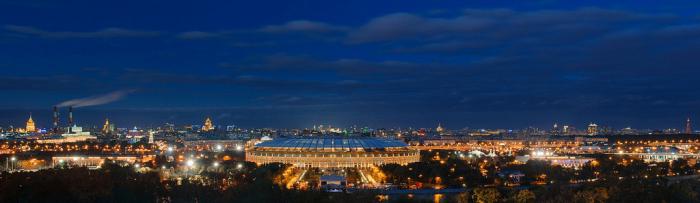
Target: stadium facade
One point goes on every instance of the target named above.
(333, 152)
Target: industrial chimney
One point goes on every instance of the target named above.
(55, 119)
(70, 116)
(70, 119)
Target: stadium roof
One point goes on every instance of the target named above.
(332, 143)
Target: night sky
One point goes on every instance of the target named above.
(293, 64)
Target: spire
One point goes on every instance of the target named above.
(208, 126)
(107, 128)
(31, 127)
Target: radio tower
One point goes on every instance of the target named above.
(688, 127)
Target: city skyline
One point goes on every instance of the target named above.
(478, 63)
(349, 101)
(64, 118)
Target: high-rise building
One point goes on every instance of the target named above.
(688, 127)
(150, 136)
(555, 129)
(439, 128)
(30, 125)
(230, 128)
(592, 129)
(107, 128)
(566, 130)
(208, 126)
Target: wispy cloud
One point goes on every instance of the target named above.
(111, 32)
(96, 100)
(200, 35)
(303, 26)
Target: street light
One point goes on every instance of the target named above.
(190, 164)
(9, 165)
(216, 164)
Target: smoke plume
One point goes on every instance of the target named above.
(96, 100)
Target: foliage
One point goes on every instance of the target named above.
(486, 195)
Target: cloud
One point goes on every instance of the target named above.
(345, 66)
(96, 100)
(570, 61)
(40, 83)
(492, 24)
(103, 33)
(303, 26)
(199, 35)
(402, 25)
(240, 80)
(223, 116)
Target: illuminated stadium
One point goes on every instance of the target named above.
(332, 152)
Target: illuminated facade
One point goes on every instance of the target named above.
(439, 128)
(333, 152)
(30, 125)
(75, 134)
(566, 129)
(95, 162)
(592, 129)
(563, 161)
(107, 128)
(208, 126)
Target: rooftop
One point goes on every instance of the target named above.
(340, 144)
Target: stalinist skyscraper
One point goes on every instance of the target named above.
(208, 126)
(30, 125)
(107, 128)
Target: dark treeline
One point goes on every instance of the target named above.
(612, 179)
(114, 183)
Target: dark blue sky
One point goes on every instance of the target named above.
(381, 64)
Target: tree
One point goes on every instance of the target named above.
(462, 197)
(600, 194)
(486, 195)
(584, 197)
(524, 196)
